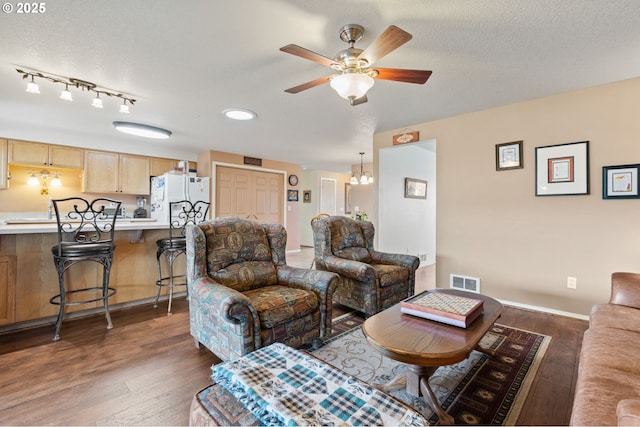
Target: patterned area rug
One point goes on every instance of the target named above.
(479, 390)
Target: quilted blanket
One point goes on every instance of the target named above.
(284, 386)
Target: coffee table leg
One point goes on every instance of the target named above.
(418, 385)
(416, 381)
(398, 382)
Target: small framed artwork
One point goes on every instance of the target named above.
(562, 169)
(415, 188)
(306, 196)
(292, 195)
(347, 198)
(620, 182)
(509, 156)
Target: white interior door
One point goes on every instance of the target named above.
(328, 196)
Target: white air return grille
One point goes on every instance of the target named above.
(465, 283)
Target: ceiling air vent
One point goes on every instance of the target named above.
(465, 283)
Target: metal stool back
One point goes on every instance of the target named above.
(85, 233)
(181, 214)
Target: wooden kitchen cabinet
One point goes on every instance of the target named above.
(44, 155)
(107, 172)
(160, 166)
(4, 167)
(7, 289)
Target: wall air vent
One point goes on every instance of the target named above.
(464, 283)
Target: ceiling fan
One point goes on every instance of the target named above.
(355, 76)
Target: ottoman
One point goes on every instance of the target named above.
(279, 385)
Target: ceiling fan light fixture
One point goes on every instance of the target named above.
(351, 85)
(239, 114)
(139, 129)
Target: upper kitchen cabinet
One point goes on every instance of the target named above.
(107, 172)
(3, 164)
(44, 155)
(160, 165)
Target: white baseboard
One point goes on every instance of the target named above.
(545, 310)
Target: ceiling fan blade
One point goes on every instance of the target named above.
(308, 85)
(359, 101)
(308, 54)
(402, 75)
(391, 39)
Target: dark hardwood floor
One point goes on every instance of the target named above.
(146, 370)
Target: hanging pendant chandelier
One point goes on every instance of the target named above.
(362, 177)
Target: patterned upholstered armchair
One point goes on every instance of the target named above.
(371, 280)
(243, 296)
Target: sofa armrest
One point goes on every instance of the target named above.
(628, 411)
(352, 269)
(322, 283)
(411, 262)
(625, 289)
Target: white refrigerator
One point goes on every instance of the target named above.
(174, 188)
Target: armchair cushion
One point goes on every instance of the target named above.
(390, 274)
(244, 276)
(278, 304)
(348, 242)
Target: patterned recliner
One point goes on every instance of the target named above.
(243, 296)
(371, 280)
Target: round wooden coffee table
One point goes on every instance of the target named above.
(427, 344)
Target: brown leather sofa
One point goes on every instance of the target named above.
(608, 384)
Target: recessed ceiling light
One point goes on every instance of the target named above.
(239, 114)
(139, 129)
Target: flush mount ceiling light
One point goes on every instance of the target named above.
(239, 114)
(68, 82)
(139, 129)
(362, 177)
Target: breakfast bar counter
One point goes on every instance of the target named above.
(28, 277)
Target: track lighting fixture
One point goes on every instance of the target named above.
(32, 87)
(362, 177)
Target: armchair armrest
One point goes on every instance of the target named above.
(322, 283)
(411, 262)
(625, 289)
(227, 304)
(628, 411)
(350, 268)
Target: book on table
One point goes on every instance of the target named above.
(443, 307)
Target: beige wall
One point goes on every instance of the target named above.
(491, 225)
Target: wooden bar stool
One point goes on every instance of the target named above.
(85, 233)
(181, 214)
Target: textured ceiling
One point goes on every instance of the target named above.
(186, 61)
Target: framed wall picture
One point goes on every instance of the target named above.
(415, 188)
(292, 195)
(509, 156)
(620, 182)
(562, 169)
(306, 196)
(347, 198)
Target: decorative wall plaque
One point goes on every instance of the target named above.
(403, 138)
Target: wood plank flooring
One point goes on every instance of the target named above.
(146, 370)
